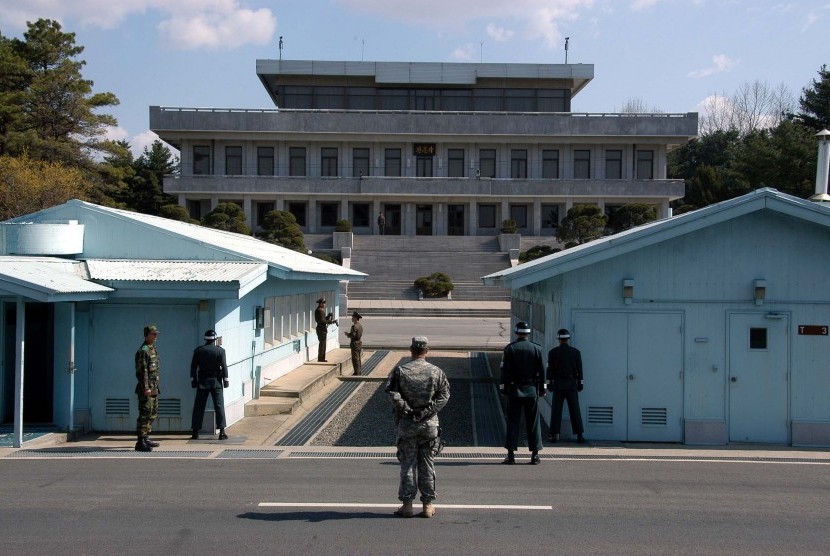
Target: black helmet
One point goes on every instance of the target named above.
(522, 327)
(563, 334)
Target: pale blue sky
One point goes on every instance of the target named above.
(671, 54)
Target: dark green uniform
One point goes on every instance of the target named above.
(147, 389)
(208, 373)
(523, 381)
(322, 328)
(355, 336)
(565, 370)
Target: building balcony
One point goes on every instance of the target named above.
(175, 124)
(372, 186)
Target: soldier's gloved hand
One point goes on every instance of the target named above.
(418, 415)
(225, 383)
(580, 386)
(550, 386)
(193, 383)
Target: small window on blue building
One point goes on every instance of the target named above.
(757, 338)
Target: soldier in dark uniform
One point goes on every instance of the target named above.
(523, 382)
(355, 336)
(209, 375)
(322, 321)
(147, 388)
(418, 391)
(565, 381)
(381, 224)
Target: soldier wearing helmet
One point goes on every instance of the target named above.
(564, 375)
(523, 382)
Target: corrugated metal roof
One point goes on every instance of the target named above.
(174, 271)
(245, 246)
(48, 276)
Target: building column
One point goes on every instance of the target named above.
(505, 213)
(537, 218)
(440, 221)
(312, 215)
(664, 209)
(20, 339)
(472, 218)
(250, 217)
(344, 209)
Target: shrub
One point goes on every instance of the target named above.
(281, 227)
(509, 226)
(537, 252)
(438, 284)
(343, 226)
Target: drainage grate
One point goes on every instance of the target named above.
(249, 454)
(369, 365)
(106, 453)
(342, 455)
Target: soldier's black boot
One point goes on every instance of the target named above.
(222, 435)
(580, 439)
(510, 459)
(142, 446)
(534, 459)
(151, 443)
(195, 435)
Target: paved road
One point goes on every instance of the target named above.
(455, 333)
(136, 506)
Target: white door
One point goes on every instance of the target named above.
(633, 365)
(758, 378)
(117, 333)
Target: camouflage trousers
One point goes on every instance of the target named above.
(147, 412)
(417, 447)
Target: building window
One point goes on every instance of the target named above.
(757, 338)
(520, 100)
(457, 100)
(201, 160)
(582, 164)
(423, 166)
(296, 161)
(392, 162)
(426, 99)
(360, 162)
(645, 165)
(330, 98)
(455, 163)
(518, 213)
(265, 161)
(613, 165)
(360, 98)
(194, 208)
(550, 216)
(550, 164)
(360, 215)
(393, 99)
(328, 161)
(233, 161)
(298, 209)
(328, 214)
(487, 100)
(518, 164)
(487, 216)
(487, 163)
(263, 208)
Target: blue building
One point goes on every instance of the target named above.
(706, 328)
(78, 282)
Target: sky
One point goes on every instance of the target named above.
(670, 55)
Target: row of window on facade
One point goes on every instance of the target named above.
(490, 99)
(290, 316)
(393, 163)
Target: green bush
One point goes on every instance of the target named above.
(327, 258)
(343, 226)
(438, 284)
(537, 252)
(280, 227)
(509, 226)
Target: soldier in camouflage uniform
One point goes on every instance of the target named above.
(418, 391)
(147, 389)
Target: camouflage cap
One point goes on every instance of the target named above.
(419, 342)
(150, 329)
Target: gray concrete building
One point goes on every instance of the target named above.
(437, 148)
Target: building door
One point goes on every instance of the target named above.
(423, 220)
(633, 365)
(455, 220)
(393, 219)
(758, 378)
(38, 362)
(116, 336)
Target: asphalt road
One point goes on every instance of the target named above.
(136, 506)
(447, 333)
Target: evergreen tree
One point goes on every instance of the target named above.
(583, 223)
(280, 227)
(177, 212)
(227, 216)
(144, 191)
(630, 216)
(815, 102)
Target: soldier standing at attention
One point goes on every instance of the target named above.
(523, 382)
(565, 381)
(209, 375)
(147, 389)
(323, 321)
(381, 224)
(355, 336)
(418, 391)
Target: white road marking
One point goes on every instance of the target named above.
(363, 505)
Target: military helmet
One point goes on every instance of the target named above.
(563, 334)
(210, 334)
(522, 327)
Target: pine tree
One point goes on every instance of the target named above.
(815, 102)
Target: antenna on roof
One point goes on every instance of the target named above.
(481, 55)
(280, 48)
(566, 48)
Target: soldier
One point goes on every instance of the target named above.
(147, 388)
(523, 382)
(355, 336)
(381, 224)
(565, 381)
(209, 375)
(323, 321)
(418, 391)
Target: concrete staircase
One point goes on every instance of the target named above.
(393, 263)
